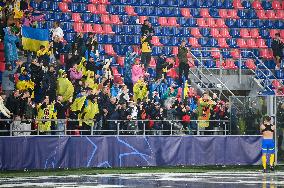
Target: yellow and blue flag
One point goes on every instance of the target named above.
(33, 38)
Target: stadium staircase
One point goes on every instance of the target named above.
(222, 34)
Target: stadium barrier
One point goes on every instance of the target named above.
(65, 152)
(119, 127)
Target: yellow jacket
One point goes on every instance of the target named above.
(145, 45)
(44, 52)
(45, 113)
(89, 113)
(140, 90)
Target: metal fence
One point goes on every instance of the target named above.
(30, 127)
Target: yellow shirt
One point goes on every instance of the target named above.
(145, 45)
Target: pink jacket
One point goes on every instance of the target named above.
(29, 21)
(137, 72)
(74, 74)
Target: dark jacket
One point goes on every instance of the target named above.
(277, 48)
(182, 54)
(145, 28)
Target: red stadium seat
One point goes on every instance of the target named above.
(185, 12)
(279, 14)
(88, 28)
(232, 13)
(276, 84)
(265, 53)
(107, 29)
(256, 4)
(215, 53)
(195, 32)
(2, 56)
(273, 32)
(277, 5)
(155, 41)
(211, 23)
(201, 22)
(105, 19)
(244, 33)
(254, 33)
(2, 66)
(230, 64)
(63, 7)
(152, 63)
(204, 12)
(172, 21)
(215, 33)
(92, 9)
(235, 53)
(193, 42)
(224, 32)
(282, 33)
(102, 9)
(115, 19)
(250, 64)
(120, 61)
(95, 1)
(251, 43)
(222, 43)
(105, 2)
(98, 29)
(241, 43)
(261, 14)
(78, 27)
(175, 50)
(221, 23)
(66, 1)
(237, 4)
(261, 43)
(163, 21)
(130, 10)
(76, 17)
(270, 14)
(109, 49)
(223, 13)
(142, 19)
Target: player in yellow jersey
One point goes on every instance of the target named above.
(268, 145)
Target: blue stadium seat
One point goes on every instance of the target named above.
(113, 9)
(182, 21)
(44, 6)
(245, 54)
(35, 5)
(251, 14)
(164, 40)
(49, 16)
(279, 74)
(190, 3)
(195, 13)
(167, 50)
(174, 31)
(191, 22)
(242, 13)
(232, 43)
(230, 23)
(226, 53)
(205, 32)
(199, 3)
(246, 4)
(241, 23)
(174, 41)
(270, 64)
(251, 23)
(137, 29)
(207, 3)
(67, 26)
(212, 42)
(195, 52)
(74, 7)
(227, 4)
(264, 33)
(95, 18)
(144, 2)
(205, 53)
(202, 41)
(66, 17)
(279, 24)
(136, 39)
(153, 21)
(217, 4)
(209, 64)
(40, 25)
(156, 51)
(184, 32)
(121, 10)
(153, 3)
(49, 24)
(235, 33)
(266, 5)
(259, 23)
(100, 38)
(269, 24)
(182, 3)
(268, 43)
(82, 7)
(166, 31)
(117, 39)
(214, 13)
(158, 31)
(127, 30)
(86, 17)
(117, 29)
(172, 3)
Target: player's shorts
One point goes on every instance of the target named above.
(268, 146)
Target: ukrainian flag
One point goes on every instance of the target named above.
(33, 38)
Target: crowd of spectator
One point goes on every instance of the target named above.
(81, 90)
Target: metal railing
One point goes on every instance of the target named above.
(115, 127)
